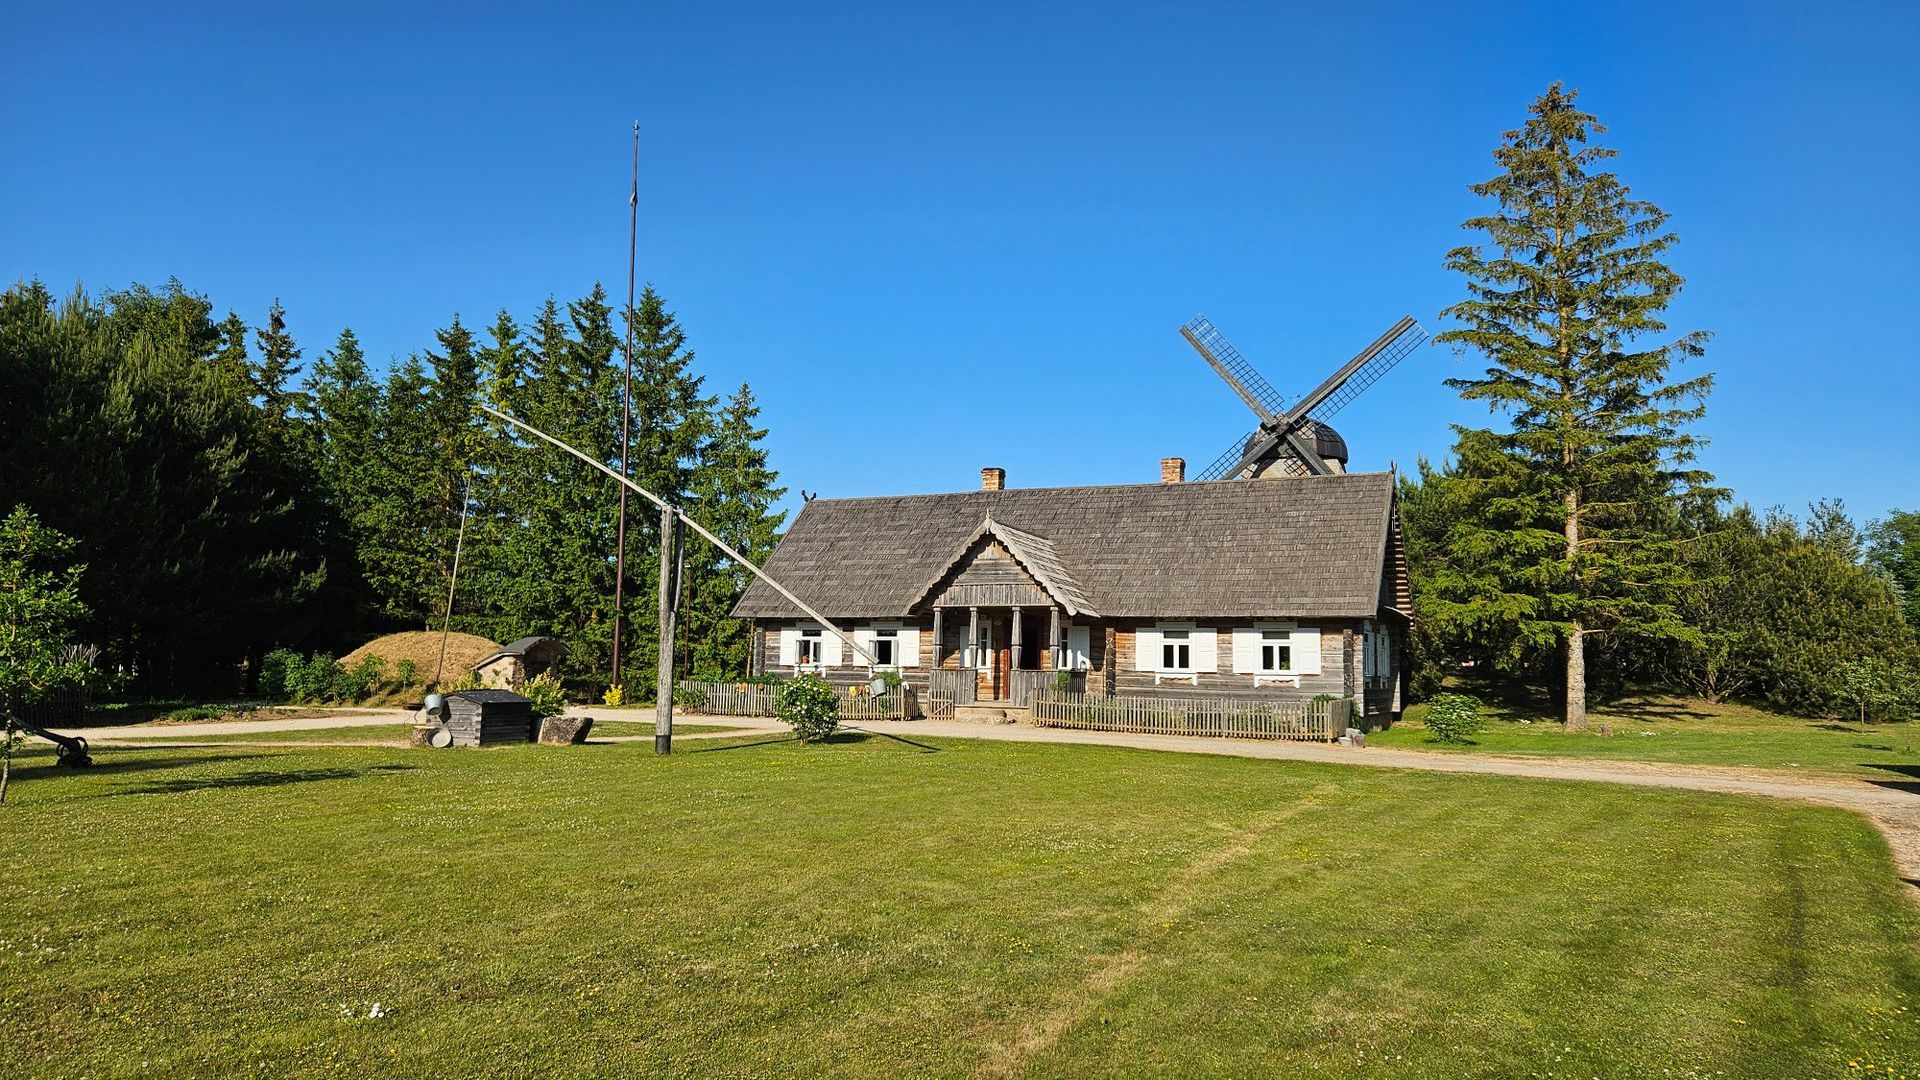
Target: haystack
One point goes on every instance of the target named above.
(423, 648)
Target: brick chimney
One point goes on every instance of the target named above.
(993, 479)
(1173, 470)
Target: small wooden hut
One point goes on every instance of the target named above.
(489, 717)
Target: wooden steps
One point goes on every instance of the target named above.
(989, 713)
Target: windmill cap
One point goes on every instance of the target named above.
(1326, 442)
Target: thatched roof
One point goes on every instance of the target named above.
(1311, 546)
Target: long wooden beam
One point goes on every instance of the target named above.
(663, 504)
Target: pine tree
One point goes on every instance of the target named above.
(735, 495)
(1562, 300)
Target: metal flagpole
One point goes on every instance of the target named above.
(626, 418)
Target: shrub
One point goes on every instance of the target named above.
(405, 673)
(359, 682)
(276, 669)
(689, 696)
(614, 696)
(548, 696)
(311, 679)
(810, 707)
(1453, 718)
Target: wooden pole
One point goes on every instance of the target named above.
(453, 583)
(663, 686)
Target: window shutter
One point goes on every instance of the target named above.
(863, 637)
(789, 645)
(1079, 648)
(1246, 650)
(1146, 649)
(832, 652)
(1206, 649)
(909, 647)
(1306, 651)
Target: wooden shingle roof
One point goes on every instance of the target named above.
(1302, 546)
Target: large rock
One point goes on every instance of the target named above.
(565, 730)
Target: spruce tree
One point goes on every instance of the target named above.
(671, 421)
(279, 360)
(735, 492)
(1565, 302)
(342, 411)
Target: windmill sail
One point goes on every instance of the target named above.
(1392, 347)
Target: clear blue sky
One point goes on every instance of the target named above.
(936, 241)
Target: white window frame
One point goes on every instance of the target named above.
(812, 640)
(889, 636)
(1176, 638)
(1274, 641)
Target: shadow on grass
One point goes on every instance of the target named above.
(254, 778)
(745, 745)
(862, 735)
(110, 759)
(1655, 710)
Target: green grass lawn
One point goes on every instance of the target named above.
(881, 906)
(1686, 731)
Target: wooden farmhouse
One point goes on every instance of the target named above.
(1285, 587)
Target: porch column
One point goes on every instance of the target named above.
(1013, 658)
(973, 636)
(939, 653)
(1056, 654)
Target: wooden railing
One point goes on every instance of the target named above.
(1219, 718)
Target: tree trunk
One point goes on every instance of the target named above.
(1576, 638)
(1577, 678)
(6, 757)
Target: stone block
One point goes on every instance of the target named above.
(565, 730)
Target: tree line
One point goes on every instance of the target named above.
(1577, 549)
(227, 496)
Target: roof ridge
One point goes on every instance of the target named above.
(1271, 481)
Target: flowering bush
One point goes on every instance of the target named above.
(810, 707)
(614, 696)
(1453, 718)
(548, 696)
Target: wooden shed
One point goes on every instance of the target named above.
(515, 663)
(489, 717)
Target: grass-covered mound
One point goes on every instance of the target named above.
(422, 648)
(878, 906)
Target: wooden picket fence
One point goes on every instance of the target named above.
(757, 699)
(735, 699)
(1219, 718)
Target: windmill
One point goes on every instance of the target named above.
(1294, 440)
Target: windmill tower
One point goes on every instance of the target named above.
(1294, 440)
